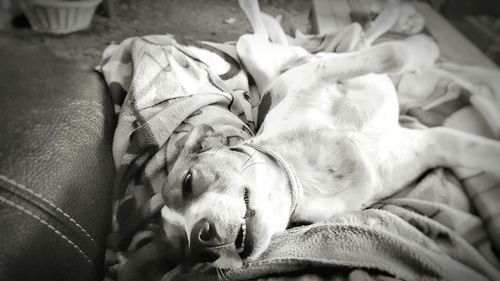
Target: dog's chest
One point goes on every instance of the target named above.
(325, 161)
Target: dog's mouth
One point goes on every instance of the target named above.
(244, 241)
(240, 239)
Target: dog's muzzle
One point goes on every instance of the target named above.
(209, 240)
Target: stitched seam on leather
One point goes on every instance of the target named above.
(57, 232)
(59, 210)
(79, 103)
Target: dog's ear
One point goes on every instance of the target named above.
(199, 139)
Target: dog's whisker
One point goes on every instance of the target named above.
(228, 188)
(222, 275)
(252, 164)
(219, 275)
(241, 275)
(228, 274)
(218, 149)
(249, 157)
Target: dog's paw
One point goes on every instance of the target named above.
(420, 53)
(410, 21)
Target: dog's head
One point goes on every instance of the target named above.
(220, 201)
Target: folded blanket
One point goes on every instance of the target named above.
(161, 89)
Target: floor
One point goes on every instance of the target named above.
(193, 19)
(213, 20)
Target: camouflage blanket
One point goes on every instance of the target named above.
(161, 90)
(440, 228)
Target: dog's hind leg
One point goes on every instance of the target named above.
(263, 25)
(382, 24)
(276, 33)
(262, 58)
(252, 11)
(453, 148)
(412, 152)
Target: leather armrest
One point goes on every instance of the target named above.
(56, 167)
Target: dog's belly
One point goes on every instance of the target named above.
(335, 136)
(366, 105)
(332, 167)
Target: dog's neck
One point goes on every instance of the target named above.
(332, 171)
(294, 184)
(279, 174)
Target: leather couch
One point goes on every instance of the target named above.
(56, 167)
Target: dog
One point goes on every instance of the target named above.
(330, 143)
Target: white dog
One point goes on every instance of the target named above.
(330, 143)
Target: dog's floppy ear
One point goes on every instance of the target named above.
(201, 138)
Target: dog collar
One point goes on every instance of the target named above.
(295, 185)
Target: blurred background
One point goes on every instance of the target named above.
(214, 20)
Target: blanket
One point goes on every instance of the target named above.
(443, 227)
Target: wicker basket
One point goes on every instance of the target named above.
(59, 16)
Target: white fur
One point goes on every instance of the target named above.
(334, 120)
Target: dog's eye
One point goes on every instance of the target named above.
(187, 184)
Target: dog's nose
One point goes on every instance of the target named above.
(204, 234)
(204, 237)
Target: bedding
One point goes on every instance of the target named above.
(445, 226)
